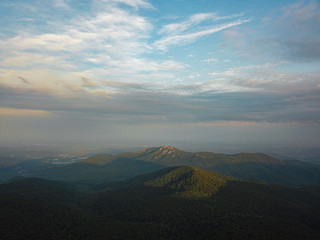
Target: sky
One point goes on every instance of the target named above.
(171, 72)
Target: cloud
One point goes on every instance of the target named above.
(16, 112)
(132, 3)
(210, 60)
(88, 83)
(97, 65)
(251, 93)
(302, 18)
(50, 82)
(106, 44)
(24, 80)
(24, 60)
(234, 38)
(301, 11)
(265, 78)
(290, 33)
(193, 20)
(178, 37)
(61, 4)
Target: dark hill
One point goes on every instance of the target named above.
(171, 203)
(33, 208)
(189, 203)
(39, 189)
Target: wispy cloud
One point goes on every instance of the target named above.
(210, 60)
(193, 20)
(184, 33)
(132, 3)
(265, 78)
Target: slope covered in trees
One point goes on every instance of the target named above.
(172, 203)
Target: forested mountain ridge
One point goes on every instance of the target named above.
(167, 155)
(243, 165)
(113, 167)
(172, 203)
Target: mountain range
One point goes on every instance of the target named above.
(113, 167)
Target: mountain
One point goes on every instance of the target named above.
(114, 167)
(170, 156)
(172, 203)
(243, 165)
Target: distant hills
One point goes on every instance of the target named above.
(171, 203)
(113, 167)
(257, 166)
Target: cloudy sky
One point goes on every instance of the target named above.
(147, 72)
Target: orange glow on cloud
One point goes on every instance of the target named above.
(17, 112)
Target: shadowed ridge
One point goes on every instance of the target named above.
(40, 189)
(101, 159)
(255, 157)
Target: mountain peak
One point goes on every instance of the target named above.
(167, 149)
(186, 181)
(161, 151)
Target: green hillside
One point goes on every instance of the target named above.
(183, 181)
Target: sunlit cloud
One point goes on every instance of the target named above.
(15, 112)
